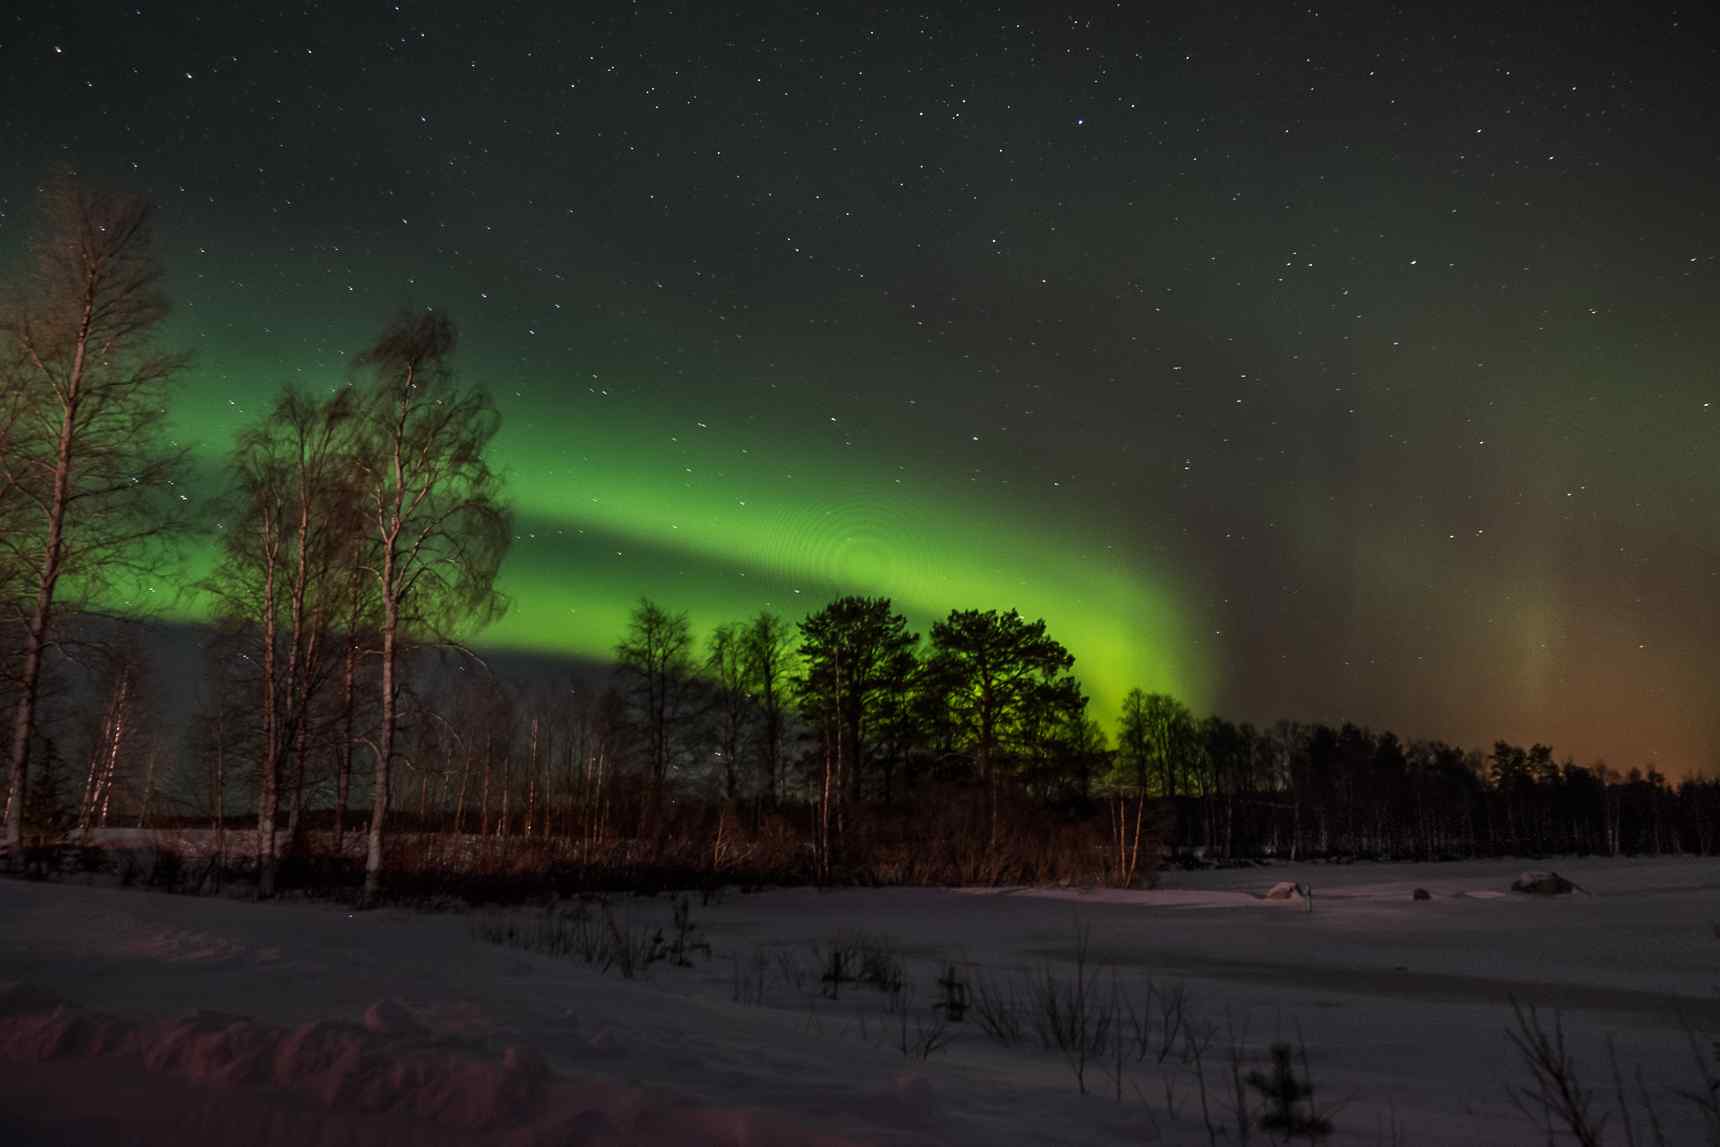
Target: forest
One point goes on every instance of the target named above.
(350, 733)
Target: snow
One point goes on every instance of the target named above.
(135, 1016)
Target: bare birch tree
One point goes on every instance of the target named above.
(432, 506)
(357, 629)
(86, 476)
(110, 745)
(218, 735)
(285, 556)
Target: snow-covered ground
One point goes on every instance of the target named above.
(129, 1016)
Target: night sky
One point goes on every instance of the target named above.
(1318, 362)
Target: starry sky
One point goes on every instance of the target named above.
(1321, 362)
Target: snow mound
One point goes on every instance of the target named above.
(389, 1017)
(382, 1081)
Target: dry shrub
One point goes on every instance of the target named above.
(949, 835)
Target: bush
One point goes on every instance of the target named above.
(1289, 1100)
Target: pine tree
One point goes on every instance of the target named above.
(1285, 1097)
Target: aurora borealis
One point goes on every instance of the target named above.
(1336, 364)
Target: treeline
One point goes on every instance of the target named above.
(845, 746)
(847, 720)
(1297, 790)
(360, 534)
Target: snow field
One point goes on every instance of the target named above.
(294, 1022)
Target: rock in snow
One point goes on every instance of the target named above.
(1543, 884)
(1284, 890)
(1421, 894)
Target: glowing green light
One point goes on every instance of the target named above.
(723, 517)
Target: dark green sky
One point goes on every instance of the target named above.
(1357, 364)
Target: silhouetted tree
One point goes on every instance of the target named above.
(726, 672)
(86, 478)
(990, 669)
(293, 533)
(357, 615)
(655, 664)
(1004, 684)
(222, 728)
(432, 506)
(1061, 751)
(1226, 752)
(768, 651)
(850, 652)
(897, 719)
(1157, 737)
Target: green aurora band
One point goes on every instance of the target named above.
(725, 522)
